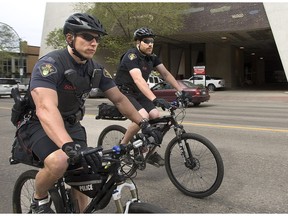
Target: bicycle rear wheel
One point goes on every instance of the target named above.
(111, 136)
(139, 207)
(201, 174)
(23, 192)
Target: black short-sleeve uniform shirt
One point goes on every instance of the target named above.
(134, 59)
(72, 90)
(49, 72)
(130, 60)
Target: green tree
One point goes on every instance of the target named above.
(9, 41)
(56, 39)
(122, 19)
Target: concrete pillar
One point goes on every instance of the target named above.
(219, 62)
(278, 18)
(55, 15)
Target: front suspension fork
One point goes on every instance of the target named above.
(179, 131)
(117, 196)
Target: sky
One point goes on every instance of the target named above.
(25, 17)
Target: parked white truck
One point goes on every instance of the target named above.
(153, 80)
(212, 83)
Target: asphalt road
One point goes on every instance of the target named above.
(250, 130)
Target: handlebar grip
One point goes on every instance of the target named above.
(92, 150)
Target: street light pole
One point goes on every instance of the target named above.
(21, 70)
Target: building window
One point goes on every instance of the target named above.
(11, 67)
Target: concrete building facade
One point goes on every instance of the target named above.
(239, 42)
(10, 66)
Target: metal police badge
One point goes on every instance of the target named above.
(132, 56)
(46, 69)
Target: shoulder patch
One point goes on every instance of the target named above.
(46, 69)
(132, 56)
(107, 74)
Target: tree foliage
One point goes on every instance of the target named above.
(122, 19)
(56, 39)
(9, 41)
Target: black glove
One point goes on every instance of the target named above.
(85, 156)
(147, 129)
(73, 151)
(121, 149)
(160, 102)
(184, 96)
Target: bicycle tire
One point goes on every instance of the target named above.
(139, 207)
(23, 192)
(111, 136)
(204, 175)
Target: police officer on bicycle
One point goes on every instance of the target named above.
(135, 67)
(60, 83)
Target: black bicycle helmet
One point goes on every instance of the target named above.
(83, 22)
(143, 32)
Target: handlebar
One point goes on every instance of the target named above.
(177, 103)
(116, 150)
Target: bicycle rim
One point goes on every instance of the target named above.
(202, 174)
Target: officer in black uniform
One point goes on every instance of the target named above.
(135, 67)
(59, 86)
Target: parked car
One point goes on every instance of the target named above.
(199, 94)
(6, 85)
(212, 83)
(96, 93)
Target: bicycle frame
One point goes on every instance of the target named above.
(184, 154)
(169, 122)
(112, 188)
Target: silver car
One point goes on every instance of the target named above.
(6, 85)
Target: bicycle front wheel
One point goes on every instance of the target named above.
(111, 136)
(139, 207)
(194, 165)
(23, 192)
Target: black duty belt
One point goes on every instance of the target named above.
(126, 89)
(71, 119)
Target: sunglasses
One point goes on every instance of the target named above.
(89, 37)
(148, 41)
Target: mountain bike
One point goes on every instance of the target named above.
(108, 182)
(192, 162)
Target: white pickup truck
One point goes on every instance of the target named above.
(212, 83)
(153, 80)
